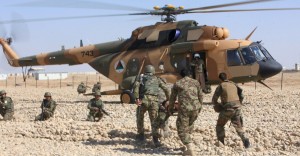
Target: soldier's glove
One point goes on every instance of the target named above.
(138, 102)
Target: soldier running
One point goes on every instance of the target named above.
(229, 108)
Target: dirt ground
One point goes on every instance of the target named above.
(271, 120)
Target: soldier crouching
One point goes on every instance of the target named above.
(48, 107)
(96, 108)
(6, 106)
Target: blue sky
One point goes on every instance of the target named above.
(278, 30)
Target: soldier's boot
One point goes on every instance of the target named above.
(156, 141)
(140, 137)
(246, 143)
(221, 140)
(190, 150)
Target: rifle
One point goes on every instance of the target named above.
(43, 111)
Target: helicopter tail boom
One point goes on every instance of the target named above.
(9, 53)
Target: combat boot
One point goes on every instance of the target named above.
(140, 137)
(190, 150)
(222, 140)
(246, 143)
(156, 141)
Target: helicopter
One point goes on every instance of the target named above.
(169, 46)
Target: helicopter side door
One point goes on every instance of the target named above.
(242, 64)
(198, 67)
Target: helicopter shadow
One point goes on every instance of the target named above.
(128, 138)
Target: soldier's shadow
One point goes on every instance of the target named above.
(112, 102)
(118, 137)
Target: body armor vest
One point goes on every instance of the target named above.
(229, 92)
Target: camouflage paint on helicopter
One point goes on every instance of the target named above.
(169, 48)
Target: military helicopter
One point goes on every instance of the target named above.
(169, 46)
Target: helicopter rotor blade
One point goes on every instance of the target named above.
(244, 10)
(227, 5)
(59, 18)
(79, 4)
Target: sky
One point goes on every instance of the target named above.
(278, 30)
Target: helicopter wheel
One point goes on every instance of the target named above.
(127, 97)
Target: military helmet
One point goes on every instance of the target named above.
(196, 56)
(97, 93)
(2, 92)
(47, 94)
(149, 69)
(81, 83)
(98, 82)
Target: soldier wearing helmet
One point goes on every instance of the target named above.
(96, 87)
(81, 89)
(146, 93)
(199, 73)
(6, 106)
(48, 107)
(96, 108)
(229, 109)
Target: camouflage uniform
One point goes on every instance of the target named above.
(190, 100)
(147, 90)
(161, 121)
(6, 106)
(229, 108)
(96, 87)
(95, 106)
(48, 107)
(81, 88)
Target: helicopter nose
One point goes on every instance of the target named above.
(269, 68)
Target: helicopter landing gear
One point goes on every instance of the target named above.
(127, 97)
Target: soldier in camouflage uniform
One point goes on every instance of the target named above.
(6, 106)
(190, 99)
(81, 89)
(48, 107)
(229, 108)
(162, 118)
(96, 87)
(146, 94)
(96, 108)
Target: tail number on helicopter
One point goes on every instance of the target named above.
(87, 53)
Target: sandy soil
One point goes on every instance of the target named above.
(271, 120)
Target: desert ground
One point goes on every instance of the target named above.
(271, 120)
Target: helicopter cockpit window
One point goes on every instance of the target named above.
(248, 55)
(258, 53)
(194, 35)
(265, 51)
(173, 36)
(233, 58)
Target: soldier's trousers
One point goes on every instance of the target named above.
(95, 116)
(44, 116)
(7, 115)
(235, 116)
(150, 104)
(185, 124)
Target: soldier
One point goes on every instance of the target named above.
(229, 108)
(146, 94)
(6, 106)
(190, 99)
(96, 87)
(162, 118)
(96, 108)
(48, 107)
(81, 89)
(199, 74)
